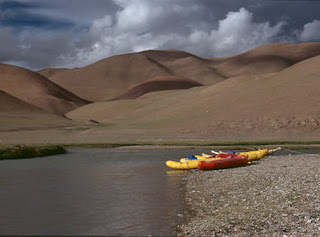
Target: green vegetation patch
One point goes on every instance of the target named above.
(23, 152)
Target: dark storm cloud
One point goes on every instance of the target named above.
(74, 33)
(22, 14)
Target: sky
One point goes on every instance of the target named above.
(38, 34)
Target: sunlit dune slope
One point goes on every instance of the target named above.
(274, 105)
(158, 84)
(113, 76)
(49, 72)
(37, 90)
(181, 63)
(17, 114)
(109, 77)
(265, 59)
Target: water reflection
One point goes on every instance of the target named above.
(91, 192)
(176, 173)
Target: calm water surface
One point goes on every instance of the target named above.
(91, 192)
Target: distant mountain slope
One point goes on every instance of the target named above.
(17, 114)
(111, 77)
(181, 63)
(158, 84)
(278, 105)
(37, 90)
(49, 72)
(10, 104)
(265, 59)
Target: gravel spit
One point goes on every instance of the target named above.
(276, 196)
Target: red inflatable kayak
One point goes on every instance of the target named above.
(222, 164)
(225, 155)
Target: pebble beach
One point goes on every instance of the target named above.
(276, 196)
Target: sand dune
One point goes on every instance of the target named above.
(265, 59)
(16, 114)
(270, 92)
(158, 84)
(10, 104)
(37, 90)
(50, 72)
(276, 105)
(181, 63)
(111, 77)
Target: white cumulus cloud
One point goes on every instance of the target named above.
(311, 31)
(137, 25)
(132, 32)
(236, 33)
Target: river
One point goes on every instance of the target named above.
(92, 192)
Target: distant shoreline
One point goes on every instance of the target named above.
(26, 152)
(180, 145)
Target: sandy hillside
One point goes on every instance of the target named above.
(16, 114)
(184, 64)
(109, 77)
(159, 83)
(270, 92)
(50, 72)
(267, 106)
(113, 76)
(37, 90)
(265, 59)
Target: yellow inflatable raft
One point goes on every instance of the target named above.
(202, 157)
(187, 164)
(254, 155)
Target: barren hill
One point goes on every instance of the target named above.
(111, 77)
(181, 63)
(158, 84)
(17, 114)
(265, 59)
(277, 105)
(49, 72)
(37, 90)
(9, 104)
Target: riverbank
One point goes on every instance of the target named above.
(24, 152)
(276, 196)
(178, 144)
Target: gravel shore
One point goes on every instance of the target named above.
(276, 196)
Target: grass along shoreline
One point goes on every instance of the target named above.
(239, 145)
(198, 144)
(178, 144)
(24, 152)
